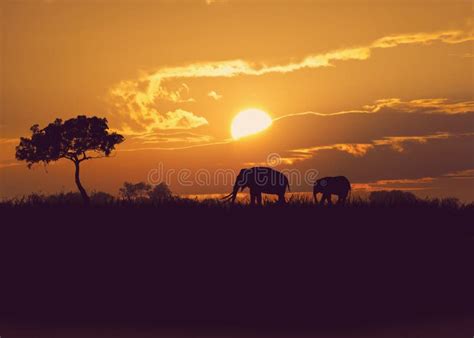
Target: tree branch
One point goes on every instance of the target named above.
(91, 158)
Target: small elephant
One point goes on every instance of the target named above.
(260, 180)
(338, 185)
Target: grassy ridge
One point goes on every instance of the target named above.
(191, 261)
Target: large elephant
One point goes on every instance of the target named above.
(338, 185)
(260, 180)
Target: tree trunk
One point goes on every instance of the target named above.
(83, 192)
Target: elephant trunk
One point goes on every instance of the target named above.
(234, 193)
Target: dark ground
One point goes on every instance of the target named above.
(260, 272)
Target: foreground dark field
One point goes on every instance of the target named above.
(207, 269)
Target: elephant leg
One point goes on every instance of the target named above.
(328, 198)
(259, 198)
(281, 198)
(341, 200)
(324, 198)
(252, 198)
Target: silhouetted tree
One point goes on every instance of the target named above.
(77, 139)
(161, 193)
(133, 191)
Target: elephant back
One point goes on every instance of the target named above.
(333, 184)
(268, 179)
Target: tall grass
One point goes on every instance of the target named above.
(379, 199)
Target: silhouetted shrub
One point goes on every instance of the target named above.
(69, 198)
(160, 193)
(450, 203)
(102, 198)
(392, 198)
(135, 191)
(33, 199)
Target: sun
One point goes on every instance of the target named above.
(248, 122)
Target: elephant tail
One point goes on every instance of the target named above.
(350, 194)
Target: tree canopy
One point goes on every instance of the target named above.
(74, 139)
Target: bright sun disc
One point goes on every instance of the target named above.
(248, 122)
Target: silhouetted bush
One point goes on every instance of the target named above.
(69, 198)
(133, 192)
(450, 203)
(392, 198)
(102, 198)
(160, 193)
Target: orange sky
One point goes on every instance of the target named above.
(379, 91)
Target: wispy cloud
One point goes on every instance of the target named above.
(211, 2)
(397, 105)
(407, 184)
(451, 37)
(9, 164)
(433, 105)
(301, 154)
(136, 100)
(396, 143)
(174, 137)
(412, 184)
(4, 141)
(463, 174)
(213, 94)
(464, 55)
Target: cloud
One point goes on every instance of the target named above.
(355, 149)
(416, 184)
(464, 55)
(433, 105)
(396, 143)
(406, 181)
(9, 164)
(462, 174)
(213, 94)
(451, 37)
(135, 101)
(397, 105)
(211, 2)
(171, 138)
(407, 184)
(179, 119)
(6, 141)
